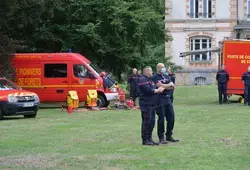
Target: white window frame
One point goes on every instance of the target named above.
(209, 45)
(193, 15)
(205, 12)
(248, 9)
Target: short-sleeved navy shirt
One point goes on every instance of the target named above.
(164, 79)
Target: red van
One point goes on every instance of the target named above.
(52, 75)
(15, 101)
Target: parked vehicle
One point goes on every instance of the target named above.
(52, 75)
(15, 101)
(235, 55)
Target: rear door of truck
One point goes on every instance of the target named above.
(236, 58)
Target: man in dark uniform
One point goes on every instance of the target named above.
(165, 106)
(222, 77)
(147, 102)
(133, 82)
(172, 77)
(246, 79)
(138, 79)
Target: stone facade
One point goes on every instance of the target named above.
(183, 28)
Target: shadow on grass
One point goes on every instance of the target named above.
(207, 103)
(12, 118)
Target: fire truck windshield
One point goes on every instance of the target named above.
(96, 68)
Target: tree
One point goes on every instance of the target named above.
(115, 34)
(8, 46)
(7, 50)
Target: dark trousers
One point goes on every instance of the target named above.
(165, 111)
(222, 88)
(247, 94)
(172, 95)
(148, 122)
(133, 93)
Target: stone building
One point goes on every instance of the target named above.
(197, 24)
(243, 15)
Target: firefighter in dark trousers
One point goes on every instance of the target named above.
(172, 77)
(147, 102)
(222, 77)
(133, 82)
(246, 79)
(138, 79)
(165, 107)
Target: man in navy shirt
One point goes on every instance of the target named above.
(222, 77)
(246, 79)
(147, 102)
(133, 82)
(172, 77)
(165, 106)
(138, 79)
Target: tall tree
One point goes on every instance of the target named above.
(115, 34)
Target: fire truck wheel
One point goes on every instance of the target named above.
(1, 114)
(30, 116)
(101, 101)
(107, 104)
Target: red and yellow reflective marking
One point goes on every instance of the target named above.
(59, 86)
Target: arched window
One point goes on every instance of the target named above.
(198, 43)
(200, 81)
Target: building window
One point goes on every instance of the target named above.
(200, 81)
(194, 8)
(207, 9)
(200, 43)
(55, 70)
(248, 9)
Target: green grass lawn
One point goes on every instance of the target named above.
(211, 137)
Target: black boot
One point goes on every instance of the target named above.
(162, 141)
(154, 143)
(171, 139)
(147, 142)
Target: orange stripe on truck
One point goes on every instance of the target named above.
(66, 86)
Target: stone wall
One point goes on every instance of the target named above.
(193, 77)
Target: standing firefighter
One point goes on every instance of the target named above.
(172, 77)
(165, 108)
(139, 75)
(246, 79)
(222, 77)
(133, 82)
(147, 102)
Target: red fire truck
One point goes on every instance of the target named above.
(52, 75)
(235, 55)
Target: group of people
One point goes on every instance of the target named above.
(222, 78)
(133, 81)
(155, 94)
